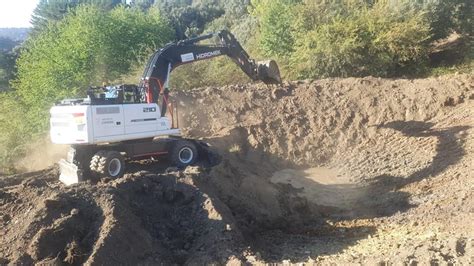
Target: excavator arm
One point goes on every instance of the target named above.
(155, 78)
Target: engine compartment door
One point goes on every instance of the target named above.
(108, 120)
(141, 117)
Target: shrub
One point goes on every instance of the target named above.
(329, 39)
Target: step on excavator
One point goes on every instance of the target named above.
(117, 124)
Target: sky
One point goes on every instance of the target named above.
(16, 13)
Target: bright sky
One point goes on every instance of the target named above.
(16, 13)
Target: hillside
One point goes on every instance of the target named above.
(357, 170)
(15, 34)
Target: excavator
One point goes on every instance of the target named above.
(121, 123)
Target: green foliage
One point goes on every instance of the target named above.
(7, 44)
(13, 130)
(7, 68)
(8, 56)
(321, 39)
(446, 16)
(217, 72)
(142, 4)
(55, 10)
(189, 17)
(276, 18)
(232, 15)
(89, 46)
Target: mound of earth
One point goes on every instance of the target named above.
(358, 170)
(142, 218)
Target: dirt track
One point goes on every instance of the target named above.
(332, 171)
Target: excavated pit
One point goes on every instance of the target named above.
(338, 170)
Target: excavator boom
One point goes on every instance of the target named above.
(156, 75)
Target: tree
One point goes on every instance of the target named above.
(55, 10)
(275, 18)
(446, 16)
(7, 69)
(87, 47)
(8, 56)
(142, 4)
(189, 18)
(7, 44)
(324, 38)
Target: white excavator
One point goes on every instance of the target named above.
(115, 124)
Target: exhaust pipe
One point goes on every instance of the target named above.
(268, 72)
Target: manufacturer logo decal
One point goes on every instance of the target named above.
(149, 109)
(208, 54)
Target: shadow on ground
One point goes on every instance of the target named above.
(305, 222)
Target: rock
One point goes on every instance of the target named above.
(278, 93)
(191, 170)
(6, 218)
(251, 259)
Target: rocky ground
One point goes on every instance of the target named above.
(358, 170)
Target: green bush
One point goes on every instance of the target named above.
(14, 131)
(357, 39)
(276, 20)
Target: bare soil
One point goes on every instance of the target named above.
(358, 170)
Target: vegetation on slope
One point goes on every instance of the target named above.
(79, 43)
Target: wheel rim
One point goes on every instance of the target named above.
(114, 167)
(185, 155)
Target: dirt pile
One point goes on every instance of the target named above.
(140, 219)
(336, 170)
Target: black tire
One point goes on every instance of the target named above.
(183, 153)
(109, 164)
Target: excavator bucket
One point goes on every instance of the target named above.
(268, 72)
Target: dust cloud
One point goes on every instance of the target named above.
(41, 154)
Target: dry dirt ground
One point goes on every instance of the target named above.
(359, 170)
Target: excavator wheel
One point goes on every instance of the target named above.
(183, 153)
(109, 164)
(268, 72)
